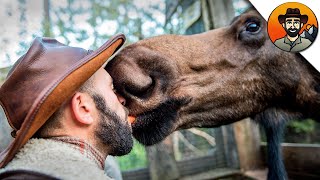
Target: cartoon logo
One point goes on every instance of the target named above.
(292, 27)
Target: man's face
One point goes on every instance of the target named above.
(113, 128)
(292, 26)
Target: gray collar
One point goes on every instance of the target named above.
(292, 44)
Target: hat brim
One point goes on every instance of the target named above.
(304, 19)
(52, 98)
(281, 18)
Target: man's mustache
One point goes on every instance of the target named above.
(293, 29)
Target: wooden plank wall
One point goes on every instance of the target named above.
(302, 161)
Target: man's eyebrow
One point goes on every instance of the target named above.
(297, 20)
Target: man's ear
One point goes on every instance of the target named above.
(301, 25)
(82, 108)
(283, 25)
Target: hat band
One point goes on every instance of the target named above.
(293, 15)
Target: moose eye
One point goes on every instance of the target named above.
(251, 33)
(252, 27)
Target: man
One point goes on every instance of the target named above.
(292, 23)
(65, 114)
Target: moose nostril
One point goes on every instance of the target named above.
(141, 88)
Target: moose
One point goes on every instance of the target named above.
(218, 77)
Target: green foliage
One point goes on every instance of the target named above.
(305, 126)
(300, 131)
(136, 159)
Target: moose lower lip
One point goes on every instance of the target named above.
(137, 121)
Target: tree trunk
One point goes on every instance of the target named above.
(248, 144)
(162, 164)
(47, 21)
(221, 11)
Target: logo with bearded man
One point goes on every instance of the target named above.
(300, 29)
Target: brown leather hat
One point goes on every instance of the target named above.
(42, 80)
(293, 12)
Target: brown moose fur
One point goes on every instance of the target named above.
(211, 79)
(215, 78)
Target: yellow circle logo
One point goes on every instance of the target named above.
(292, 27)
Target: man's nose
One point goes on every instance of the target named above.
(121, 99)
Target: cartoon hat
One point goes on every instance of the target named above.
(41, 80)
(293, 12)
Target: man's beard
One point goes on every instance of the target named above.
(111, 129)
(293, 34)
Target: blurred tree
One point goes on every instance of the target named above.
(86, 23)
(47, 20)
(99, 19)
(64, 21)
(23, 32)
(307, 126)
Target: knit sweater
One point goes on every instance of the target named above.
(57, 159)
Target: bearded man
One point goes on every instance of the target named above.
(64, 111)
(292, 23)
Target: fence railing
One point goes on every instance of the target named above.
(186, 167)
